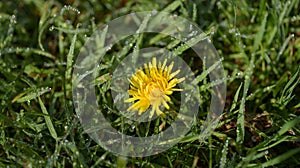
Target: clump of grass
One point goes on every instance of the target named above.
(259, 42)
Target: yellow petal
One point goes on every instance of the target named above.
(166, 105)
(152, 112)
(170, 67)
(154, 62)
(168, 92)
(174, 74)
(131, 100)
(177, 89)
(164, 64)
(167, 98)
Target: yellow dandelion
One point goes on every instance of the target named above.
(152, 86)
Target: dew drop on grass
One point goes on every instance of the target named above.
(154, 12)
(108, 48)
(226, 144)
(251, 95)
(190, 27)
(132, 14)
(193, 33)
(295, 18)
(231, 30)
(68, 7)
(132, 127)
(51, 28)
(253, 138)
(109, 142)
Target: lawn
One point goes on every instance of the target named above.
(46, 119)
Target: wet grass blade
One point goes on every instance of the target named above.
(70, 56)
(31, 95)
(241, 118)
(48, 120)
(281, 158)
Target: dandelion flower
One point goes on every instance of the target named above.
(152, 86)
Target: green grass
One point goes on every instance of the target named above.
(258, 41)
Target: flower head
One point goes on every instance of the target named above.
(152, 86)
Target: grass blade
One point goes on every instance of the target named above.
(260, 33)
(286, 95)
(70, 56)
(281, 158)
(48, 120)
(30, 96)
(240, 121)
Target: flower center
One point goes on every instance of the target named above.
(155, 95)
